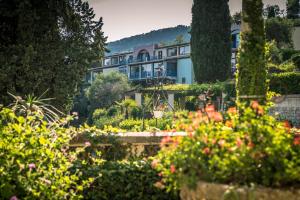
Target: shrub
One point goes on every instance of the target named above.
(98, 113)
(241, 148)
(162, 124)
(131, 124)
(108, 121)
(112, 111)
(285, 83)
(35, 161)
(136, 113)
(128, 180)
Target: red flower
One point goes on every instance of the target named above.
(239, 142)
(287, 124)
(210, 108)
(165, 140)
(254, 104)
(232, 110)
(206, 151)
(217, 117)
(251, 144)
(297, 140)
(228, 123)
(172, 169)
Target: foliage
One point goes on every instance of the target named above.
(128, 180)
(236, 18)
(47, 45)
(106, 89)
(251, 70)
(285, 83)
(98, 113)
(272, 11)
(131, 124)
(242, 147)
(108, 121)
(35, 160)
(293, 9)
(211, 40)
(126, 106)
(137, 113)
(280, 30)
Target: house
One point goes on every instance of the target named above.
(172, 63)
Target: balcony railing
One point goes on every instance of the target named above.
(147, 74)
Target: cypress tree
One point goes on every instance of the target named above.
(251, 68)
(293, 9)
(210, 40)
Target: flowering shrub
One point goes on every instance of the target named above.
(35, 160)
(241, 147)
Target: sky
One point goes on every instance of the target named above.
(125, 18)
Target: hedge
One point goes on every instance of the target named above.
(128, 180)
(285, 83)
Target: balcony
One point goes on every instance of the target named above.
(172, 74)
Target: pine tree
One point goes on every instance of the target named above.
(251, 68)
(47, 45)
(210, 40)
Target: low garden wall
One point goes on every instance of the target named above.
(287, 107)
(135, 144)
(212, 191)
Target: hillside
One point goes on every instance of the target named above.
(166, 36)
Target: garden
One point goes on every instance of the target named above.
(64, 138)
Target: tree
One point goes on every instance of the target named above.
(236, 18)
(251, 68)
(107, 89)
(293, 9)
(280, 30)
(211, 40)
(179, 39)
(271, 11)
(126, 106)
(47, 45)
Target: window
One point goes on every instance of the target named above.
(121, 59)
(146, 70)
(183, 80)
(114, 60)
(172, 52)
(172, 68)
(159, 69)
(123, 70)
(184, 50)
(130, 59)
(159, 54)
(143, 56)
(135, 72)
(107, 61)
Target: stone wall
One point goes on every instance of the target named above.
(213, 191)
(287, 107)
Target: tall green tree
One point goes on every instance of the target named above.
(251, 68)
(293, 9)
(210, 40)
(47, 45)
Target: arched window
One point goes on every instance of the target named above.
(143, 55)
